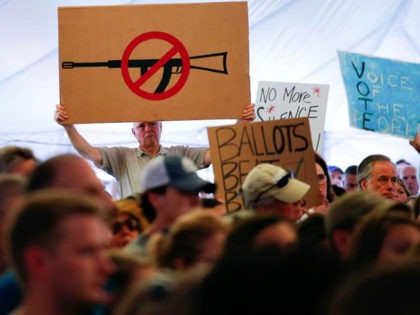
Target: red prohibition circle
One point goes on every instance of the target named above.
(177, 47)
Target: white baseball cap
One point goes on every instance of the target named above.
(268, 180)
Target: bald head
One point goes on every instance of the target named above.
(71, 172)
(408, 173)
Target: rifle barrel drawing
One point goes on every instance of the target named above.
(145, 64)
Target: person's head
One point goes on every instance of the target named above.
(311, 232)
(169, 187)
(400, 164)
(161, 294)
(17, 160)
(336, 175)
(195, 239)
(379, 291)
(324, 180)
(12, 187)
(401, 191)
(408, 174)
(378, 174)
(147, 133)
(129, 270)
(129, 222)
(271, 189)
(57, 243)
(384, 237)
(344, 213)
(256, 231)
(268, 281)
(350, 180)
(69, 171)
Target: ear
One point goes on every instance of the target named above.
(133, 132)
(36, 261)
(363, 184)
(154, 199)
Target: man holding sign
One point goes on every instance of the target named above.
(126, 164)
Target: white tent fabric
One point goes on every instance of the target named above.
(290, 40)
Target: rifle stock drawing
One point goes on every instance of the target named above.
(145, 64)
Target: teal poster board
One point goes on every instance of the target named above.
(383, 95)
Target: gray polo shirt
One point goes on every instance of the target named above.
(126, 164)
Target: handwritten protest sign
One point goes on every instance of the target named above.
(383, 95)
(236, 149)
(281, 100)
(139, 62)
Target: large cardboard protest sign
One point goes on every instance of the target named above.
(154, 62)
(282, 100)
(383, 95)
(236, 149)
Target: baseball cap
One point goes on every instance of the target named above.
(268, 180)
(176, 171)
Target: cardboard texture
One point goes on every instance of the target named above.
(154, 62)
(236, 149)
(284, 100)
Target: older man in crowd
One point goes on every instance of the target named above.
(408, 174)
(377, 173)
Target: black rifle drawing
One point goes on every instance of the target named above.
(145, 64)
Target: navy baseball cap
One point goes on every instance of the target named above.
(176, 171)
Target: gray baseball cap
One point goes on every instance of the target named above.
(176, 171)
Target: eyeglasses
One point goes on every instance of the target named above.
(131, 224)
(322, 179)
(280, 184)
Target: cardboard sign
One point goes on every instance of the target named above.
(236, 149)
(383, 95)
(154, 62)
(281, 100)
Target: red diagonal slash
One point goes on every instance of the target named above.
(177, 47)
(155, 68)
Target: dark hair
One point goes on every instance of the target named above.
(311, 232)
(379, 292)
(10, 155)
(210, 202)
(373, 228)
(338, 191)
(35, 222)
(402, 161)
(241, 239)
(148, 210)
(352, 170)
(324, 166)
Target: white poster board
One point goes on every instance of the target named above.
(285, 100)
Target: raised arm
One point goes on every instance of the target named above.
(77, 140)
(248, 115)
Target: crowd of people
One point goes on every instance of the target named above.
(165, 247)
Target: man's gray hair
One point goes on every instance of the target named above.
(364, 170)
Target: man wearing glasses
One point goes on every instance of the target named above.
(272, 190)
